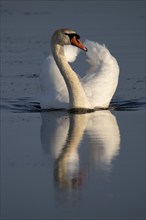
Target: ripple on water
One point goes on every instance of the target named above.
(28, 105)
(20, 105)
(128, 105)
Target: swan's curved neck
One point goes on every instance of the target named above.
(77, 96)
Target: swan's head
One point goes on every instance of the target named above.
(67, 37)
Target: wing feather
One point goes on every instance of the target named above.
(101, 79)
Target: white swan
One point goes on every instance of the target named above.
(60, 85)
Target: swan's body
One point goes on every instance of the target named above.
(60, 85)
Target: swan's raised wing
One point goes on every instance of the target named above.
(102, 78)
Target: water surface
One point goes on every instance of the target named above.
(56, 165)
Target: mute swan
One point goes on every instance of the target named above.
(60, 85)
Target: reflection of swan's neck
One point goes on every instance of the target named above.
(67, 165)
(77, 96)
(76, 130)
(77, 126)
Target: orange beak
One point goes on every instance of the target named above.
(78, 43)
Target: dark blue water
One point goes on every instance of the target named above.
(57, 165)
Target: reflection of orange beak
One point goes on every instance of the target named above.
(78, 43)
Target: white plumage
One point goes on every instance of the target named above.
(99, 83)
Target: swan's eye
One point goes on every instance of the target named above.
(71, 35)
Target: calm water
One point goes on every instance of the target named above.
(56, 165)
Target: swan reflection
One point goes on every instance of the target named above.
(67, 134)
